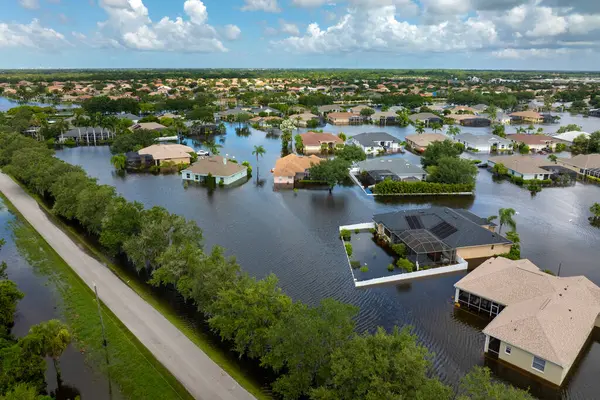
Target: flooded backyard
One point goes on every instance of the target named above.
(295, 236)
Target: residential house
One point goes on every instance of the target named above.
(568, 137)
(397, 169)
(470, 120)
(541, 322)
(535, 142)
(357, 109)
(149, 126)
(583, 164)
(134, 118)
(426, 118)
(441, 235)
(316, 142)
(483, 143)
(265, 110)
(329, 108)
(344, 118)
(376, 142)
(223, 170)
(526, 167)
(173, 153)
(384, 117)
(303, 119)
(595, 112)
(528, 117)
(292, 168)
(419, 142)
(83, 134)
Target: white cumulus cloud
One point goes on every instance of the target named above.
(261, 5)
(232, 32)
(32, 35)
(30, 4)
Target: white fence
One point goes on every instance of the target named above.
(360, 227)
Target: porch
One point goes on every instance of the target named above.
(478, 304)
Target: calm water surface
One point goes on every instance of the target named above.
(295, 236)
(42, 303)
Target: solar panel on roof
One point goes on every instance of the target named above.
(443, 230)
(414, 222)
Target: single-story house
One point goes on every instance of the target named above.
(470, 120)
(175, 153)
(315, 141)
(483, 143)
(357, 109)
(136, 160)
(265, 109)
(583, 164)
(228, 113)
(419, 142)
(535, 142)
(344, 118)
(85, 134)
(302, 119)
(292, 168)
(568, 137)
(595, 112)
(376, 142)
(426, 118)
(464, 109)
(396, 169)
(531, 117)
(541, 322)
(439, 235)
(149, 126)
(219, 167)
(329, 108)
(384, 117)
(526, 167)
(131, 117)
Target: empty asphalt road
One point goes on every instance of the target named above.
(195, 370)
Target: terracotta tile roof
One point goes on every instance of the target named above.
(292, 164)
(527, 114)
(316, 138)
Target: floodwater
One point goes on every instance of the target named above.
(6, 104)
(295, 236)
(41, 303)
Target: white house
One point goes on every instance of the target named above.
(224, 171)
(483, 143)
(526, 167)
(376, 142)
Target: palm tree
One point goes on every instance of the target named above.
(258, 151)
(436, 126)
(453, 130)
(213, 147)
(420, 127)
(79, 121)
(119, 161)
(506, 218)
(553, 158)
(49, 339)
(491, 218)
(521, 130)
(492, 112)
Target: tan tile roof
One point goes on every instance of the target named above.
(167, 151)
(341, 115)
(425, 139)
(548, 316)
(304, 116)
(523, 164)
(527, 114)
(148, 125)
(530, 139)
(215, 166)
(292, 164)
(585, 161)
(316, 138)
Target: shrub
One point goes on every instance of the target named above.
(70, 142)
(517, 180)
(560, 147)
(356, 231)
(405, 264)
(355, 264)
(390, 267)
(549, 272)
(345, 234)
(388, 187)
(364, 268)
(399, 249)
(348, 247)
(154, 169)
(373, 230)
(221, 182)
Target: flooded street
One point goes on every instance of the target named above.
(295, 236)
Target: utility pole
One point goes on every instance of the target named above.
(559, 266)
(104, 343)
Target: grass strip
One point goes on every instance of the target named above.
(131, 366)
(199, 338)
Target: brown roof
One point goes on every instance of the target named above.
(523, 164)
(152, 126)
(425, 139)
(316, 138)
(527, 114)
(292, 164)
(341, 115)
(548, 316)
(531, 139)
(167, 151)
(215, 166)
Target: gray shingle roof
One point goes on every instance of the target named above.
(368, 138)
(396, 165)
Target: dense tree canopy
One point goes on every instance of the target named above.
(437, 150)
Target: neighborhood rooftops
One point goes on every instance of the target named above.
(571, 135)
(425, 139)
(481, 140)
(531, 139)
(316, 138)
(292, 164)
(551, 317)
(523, 164)
(583, 161)
(396, 165)
(367, 139)
(151, 126)
(424, 117)
(453, 228)
(167, 151)
(217, 166)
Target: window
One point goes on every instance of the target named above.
(187, 176)
(508, 350)
(538, 364)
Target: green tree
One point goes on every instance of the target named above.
(48, 339)
(478, 385)
(437, 150)
(302, 342)
(500, 169)
(92, 201)
(553, 158)
(367, 112)
(258, 151)
(403, 118)
(245, 312)
(351, 153)
(499, 130)
(212, 147)
(299, 144)
(453, 170)
(523, 148)
(436, 126)
(24, 391)
(119, 161)
(506, 218)
(420, 127)
(18, 365)
(492, 112)
(453, 130)
(595, 210)
(333, 172)
(122, 220)
(569, 128)
(342, 136)
(381, 366)
(65, 191)
(9, 297)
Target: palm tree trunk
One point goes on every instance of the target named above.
(58, 372)
(94, 136)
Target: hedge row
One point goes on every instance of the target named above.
(398, 187)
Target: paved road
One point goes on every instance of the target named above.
(195, 370)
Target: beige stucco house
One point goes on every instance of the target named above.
(315, 141)
(175, 153)
(292, 167)
(419, 142)
(540, 322)
(583, 164)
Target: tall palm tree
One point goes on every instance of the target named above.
(258, 151)
(420, 127)
(506, 218)
(453, 130)
(49, 339)
(79, 121)
(212, 147)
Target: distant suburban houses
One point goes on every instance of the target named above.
(524, 166)
(344, 118)
(376, 142)
(174, 153)
(149, 126)
(303, 118)
(536, 143)
(426, 118)
(583, 164)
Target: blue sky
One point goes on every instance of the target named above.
(473, 34)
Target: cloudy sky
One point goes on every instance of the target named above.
(496, 34)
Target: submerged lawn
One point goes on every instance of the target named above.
(126, 362)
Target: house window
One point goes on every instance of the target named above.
(508, 350)
(187, 176)
(538, 364)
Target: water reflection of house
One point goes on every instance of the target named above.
(292, 168)
(397, 169)
(437, 235)
(376, 142)
(541, 322)
(314, 142)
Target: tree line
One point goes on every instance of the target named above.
(314, 351)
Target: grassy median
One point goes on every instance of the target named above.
(201, 339)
